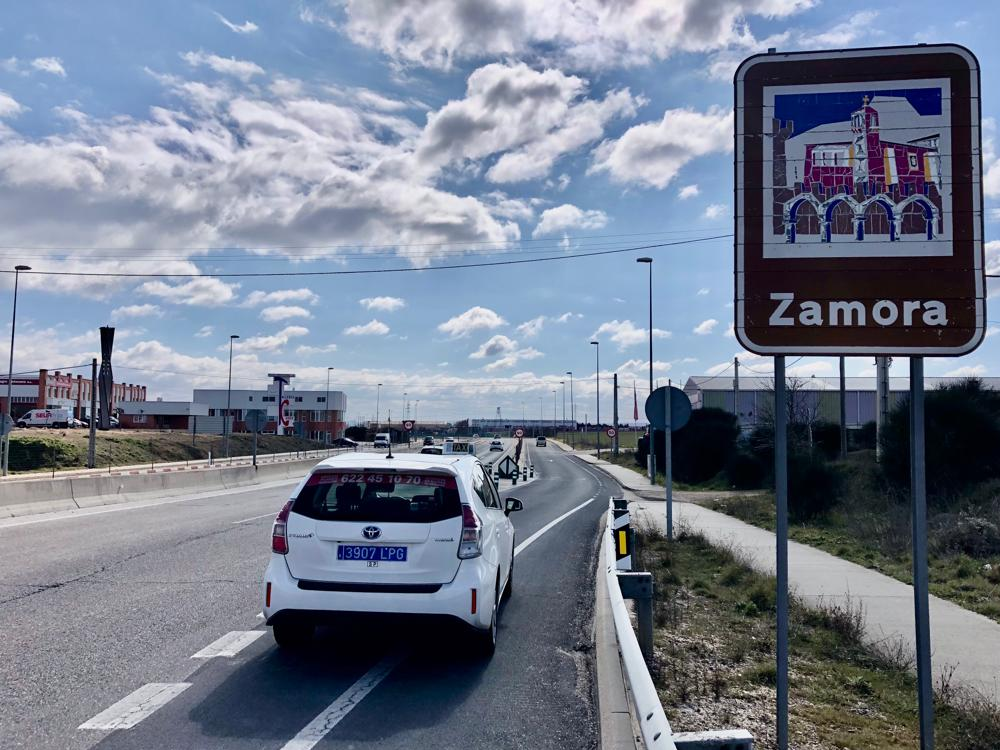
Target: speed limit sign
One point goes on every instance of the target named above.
(611, 432)
(408, 425)
(518, 433)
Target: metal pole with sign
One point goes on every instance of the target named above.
(859, 232)
(668, 409)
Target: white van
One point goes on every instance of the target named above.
(45, 418)
(382, 440)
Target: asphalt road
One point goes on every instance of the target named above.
(98, 606)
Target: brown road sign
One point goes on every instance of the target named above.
(859, 219)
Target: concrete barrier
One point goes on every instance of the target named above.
(44, 495)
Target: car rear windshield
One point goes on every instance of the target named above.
(379, 497)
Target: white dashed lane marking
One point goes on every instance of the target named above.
(133, 708)
(229, 645)
(319, 727)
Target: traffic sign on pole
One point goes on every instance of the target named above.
(6, 424)
(408, 424)
(859, 211)
(519, 433)
(611, 432)
(256, 419)
(656, 407)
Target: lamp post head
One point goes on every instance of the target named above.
(234, 336)
(644, 260)
(22, 268)
(596, 343)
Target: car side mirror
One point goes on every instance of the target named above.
(512, 505)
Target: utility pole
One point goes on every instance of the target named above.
(92, 422)
(327, 405)
(572, 406)
(881, 401)
(614, 443)
(843, 411)
(597, 379)
(736, 392)
(229, 395)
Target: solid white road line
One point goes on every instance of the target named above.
(523, 545)
(319, 727)
(133, 708)
(254, 518)
(230, 644)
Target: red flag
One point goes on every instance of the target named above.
(635, 404)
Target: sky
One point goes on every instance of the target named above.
(389, 139)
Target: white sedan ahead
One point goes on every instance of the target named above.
(403, 535)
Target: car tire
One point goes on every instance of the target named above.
(508, 591)
(22, 425)
(486, 639)
(292, 635)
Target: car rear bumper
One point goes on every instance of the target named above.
(305, 601)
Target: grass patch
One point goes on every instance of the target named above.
(36, 450)
(627, 441)
(879, 539)
(714, 662)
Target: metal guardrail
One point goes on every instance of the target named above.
(653, 725)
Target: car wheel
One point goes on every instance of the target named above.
(22, 425)
(508, 592)
(486, 640)
(292, 635)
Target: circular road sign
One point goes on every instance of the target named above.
(518, 433)
(611, 432)
(408, 424)
(680, 408)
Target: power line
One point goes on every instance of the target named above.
(358, 272)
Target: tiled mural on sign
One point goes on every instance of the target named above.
(859, 166)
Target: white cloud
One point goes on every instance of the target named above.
(204, 292)
(493, 346)
(842, 34)
(642, 365)
(269, 343)
(568, 216)
(512, 358)
(730, 331)
(705, 327)
(283, 312)
(9, 106)
(242, 69)
(530, 117)
(137, 311)
(715, 210)
(385, 304)
(304, 350)
(688, 191)
(373, 327)
(589, 34)
(205, 331)
(703, 291)
(247, 27)
(653, 153)
(533, 327)
(625, 333)
(967, 371)
(473, 319)
(52, 65)
(258, 297)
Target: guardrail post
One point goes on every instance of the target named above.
(639, 586)
(532, 472)
(513, 478)
(621, 533)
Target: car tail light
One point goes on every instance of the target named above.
(472, 534)
(279, 535)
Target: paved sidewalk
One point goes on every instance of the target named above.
(965, 640)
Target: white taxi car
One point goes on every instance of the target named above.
(413, 534)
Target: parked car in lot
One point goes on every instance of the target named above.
(496, 445)
(343, 442)
(45, 418)
(382, 440)
(432, 450)
(428, 440)
(365, 533)
(540, 441)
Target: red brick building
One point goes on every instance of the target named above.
(56, 390)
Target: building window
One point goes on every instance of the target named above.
(251, 399)
(913, 161)
(321, 399)
(298, 399)
(268, 398)
(211, 412)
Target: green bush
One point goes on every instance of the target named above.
(862, 438)
(29, 452)
(704, 446)
(826, 439)
(962, 438)
(813, 486)
(745, 471)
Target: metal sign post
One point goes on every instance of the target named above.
(781, 567)
(668, 466)
(859, 232)
(921, 605)
(668, 409)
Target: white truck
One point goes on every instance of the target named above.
(45, 418)
(382, 440)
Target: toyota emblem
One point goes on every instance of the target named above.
(371, 532)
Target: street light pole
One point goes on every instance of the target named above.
(652, 442)
(572, 407)
(597, 378)
(378, 395)
(10, 374)
(553, 409)
(563, 384)
(327, 404)
(229, 395)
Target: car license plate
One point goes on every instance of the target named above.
(379, 553)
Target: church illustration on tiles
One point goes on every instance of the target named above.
(875, 175)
